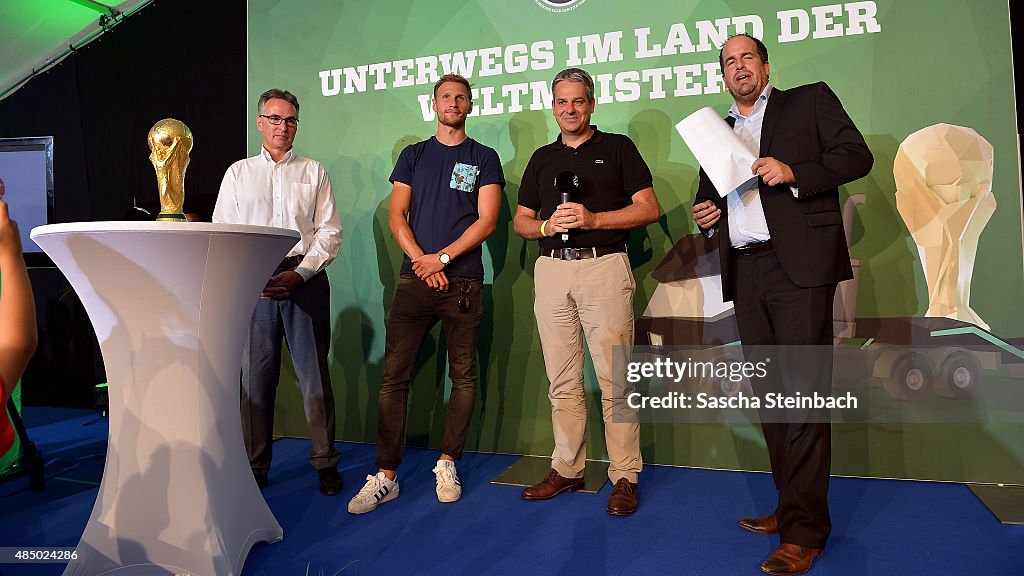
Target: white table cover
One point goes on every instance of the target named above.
(170, 303)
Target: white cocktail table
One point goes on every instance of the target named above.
(170, 303)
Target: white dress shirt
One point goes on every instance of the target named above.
(747, 224)
(294, 193)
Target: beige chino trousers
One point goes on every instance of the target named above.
(593, 298)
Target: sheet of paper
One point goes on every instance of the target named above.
(721, 154)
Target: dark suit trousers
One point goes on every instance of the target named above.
(303, 320)
(777, 317)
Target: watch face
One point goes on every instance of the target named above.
(445, 258)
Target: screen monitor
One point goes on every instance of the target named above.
(26, 180)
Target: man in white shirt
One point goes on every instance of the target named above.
(279, 188)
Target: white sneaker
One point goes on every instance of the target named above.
(377, 490)
(449, 489)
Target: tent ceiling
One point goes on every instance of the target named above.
(34, 33)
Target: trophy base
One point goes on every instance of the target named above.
(166, 217)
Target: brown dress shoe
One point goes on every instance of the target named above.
(761, 525)
(789, 560)
(552, 486)
(622, 502)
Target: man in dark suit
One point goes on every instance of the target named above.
(783, 250)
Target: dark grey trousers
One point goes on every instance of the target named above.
(416, 309)
(303, 320)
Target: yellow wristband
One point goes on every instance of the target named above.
(542, 225)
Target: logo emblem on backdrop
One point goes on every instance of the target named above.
(559, 5)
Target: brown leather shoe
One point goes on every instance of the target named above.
(552, 486)
(789, 560)
(761, 525)
(622, 502)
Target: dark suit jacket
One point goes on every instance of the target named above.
(807, 128)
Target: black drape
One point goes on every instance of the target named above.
(174, 58)
(178, 59)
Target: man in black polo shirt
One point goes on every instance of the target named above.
(583, 282)
(445, 198)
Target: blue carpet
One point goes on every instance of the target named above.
(686, 523)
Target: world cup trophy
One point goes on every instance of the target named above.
(170, 142)
(943, 179)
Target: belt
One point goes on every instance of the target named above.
(754, 249)
(583, 253)
(291, 262)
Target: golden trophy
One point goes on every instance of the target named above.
(170, 142)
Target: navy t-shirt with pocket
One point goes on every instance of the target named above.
(445, 182)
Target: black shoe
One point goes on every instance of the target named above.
(261, 479)
(330, 481)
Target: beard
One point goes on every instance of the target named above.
(457, 122)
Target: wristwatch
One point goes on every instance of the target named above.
(444, 258)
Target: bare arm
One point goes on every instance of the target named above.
(17, 307)
(643, 211)
(487, 205)
(398, 221)
(525, 224)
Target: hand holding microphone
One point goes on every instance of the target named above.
(567, 186)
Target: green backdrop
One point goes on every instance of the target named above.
(898, 65)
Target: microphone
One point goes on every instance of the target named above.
(567, 185)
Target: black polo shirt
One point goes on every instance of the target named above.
(610, 171)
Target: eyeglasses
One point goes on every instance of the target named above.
(291, 121)
(464, 296)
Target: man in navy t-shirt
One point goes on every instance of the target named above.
(445, 197)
